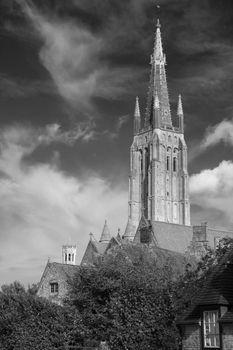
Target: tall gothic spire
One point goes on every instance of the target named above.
(137, 117)
(158, 85)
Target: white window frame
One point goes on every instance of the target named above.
(211, 329)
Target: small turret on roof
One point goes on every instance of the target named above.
(105, 236)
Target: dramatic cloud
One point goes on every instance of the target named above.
(42, 208)
(222, 132)
(213, 189)
(71, 54)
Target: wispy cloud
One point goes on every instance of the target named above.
(13, 87)
(72, 56)
(43, 208)
(221, 132)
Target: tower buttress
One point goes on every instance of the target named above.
(158, 181)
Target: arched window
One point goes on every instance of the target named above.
(174, 164)
(65, 257)
(168, 163)
(69, 257)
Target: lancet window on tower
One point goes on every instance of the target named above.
(174, 164)
(168, 161)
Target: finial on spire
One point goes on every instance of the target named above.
(158, 49)
(180, 107)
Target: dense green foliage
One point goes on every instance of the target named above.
(131, 300)
(28, 322)
(127, 300)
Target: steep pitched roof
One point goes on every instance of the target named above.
(105, 236)
(219, 287)
(172, 236)
(165, 235)
(65, 270)
(218, 290)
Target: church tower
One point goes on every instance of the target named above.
(158, 181)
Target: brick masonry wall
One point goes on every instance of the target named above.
(53, 275)
(191, 337)
(227, 336)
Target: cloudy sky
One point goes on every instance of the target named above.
(69, 74)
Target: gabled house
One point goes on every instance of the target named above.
(209, 323)
(54, 281)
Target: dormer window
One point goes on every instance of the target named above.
(54, 288)
(211, 329)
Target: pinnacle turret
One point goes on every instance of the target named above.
(180, 114)
(137, 117)
(105, 236)
(180, 107)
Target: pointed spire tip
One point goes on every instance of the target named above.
(137, 108)
(158, 25)
(180, 106)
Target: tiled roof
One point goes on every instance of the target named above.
(101, 247)
(218, 289)
(105, 236)
(173, 237)
(67, 269)
(227, 317)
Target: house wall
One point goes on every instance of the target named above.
(52, 275)
(191, 338)
(227, 336)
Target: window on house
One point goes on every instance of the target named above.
(69, 257)
(72, 257)
(211, 329)
(65, 257)
(54, 288)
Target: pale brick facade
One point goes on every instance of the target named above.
(227, 336)
(191, 337)
(54, 281)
